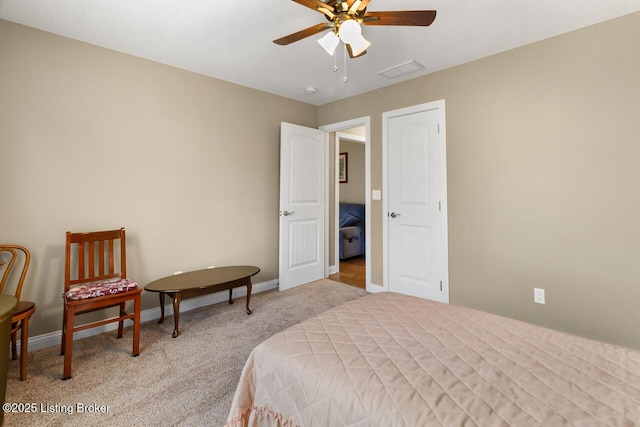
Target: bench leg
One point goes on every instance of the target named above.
(161, 307)
(177, 297)
(248, 294)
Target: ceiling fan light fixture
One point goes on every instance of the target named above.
(349, 31)
(329, 42)
(358, 45)
(345, 21)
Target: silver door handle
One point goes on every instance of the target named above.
(287, 213)
(393, 214)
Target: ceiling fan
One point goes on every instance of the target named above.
(345, 18)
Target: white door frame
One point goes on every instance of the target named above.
(349, 137)
(440, 104)
(336, 127)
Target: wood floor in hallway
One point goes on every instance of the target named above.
(352, 272)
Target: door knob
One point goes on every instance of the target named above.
(393, 214)
(287, 213)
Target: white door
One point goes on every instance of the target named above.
(416, 218)
(302, 205)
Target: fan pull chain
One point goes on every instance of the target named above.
(345, 79)
(335, 62)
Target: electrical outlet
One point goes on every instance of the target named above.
(538, 295)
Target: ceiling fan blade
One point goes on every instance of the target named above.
(421, 18)
(363, 4)
(312, 4)
(302, 34)
(354, 6)
(327, 12)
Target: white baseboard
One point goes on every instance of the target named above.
(54, 338)
(375, 288)
(333, 269)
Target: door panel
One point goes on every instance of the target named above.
(303, 243)
(304, 161)
(302, 206)
(414, 244)
(413, 166)
(415, 226)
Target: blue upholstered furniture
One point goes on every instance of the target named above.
(351, 234)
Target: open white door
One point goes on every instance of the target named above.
(302, 205)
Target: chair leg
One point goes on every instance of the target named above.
(136, 325)
(14, 341)
(64, 330)
(24, 340)
(121, 322)
(68, 343)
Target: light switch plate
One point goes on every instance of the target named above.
(375, 195)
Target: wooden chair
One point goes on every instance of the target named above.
(25, 309)
(93, 280)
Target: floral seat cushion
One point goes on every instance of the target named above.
(100, 289)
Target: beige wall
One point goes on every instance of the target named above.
(94, 139)
(541, 144)
(542, 157)
(353, 191)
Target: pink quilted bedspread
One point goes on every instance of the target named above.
(393, 360)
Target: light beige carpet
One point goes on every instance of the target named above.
(189, 380)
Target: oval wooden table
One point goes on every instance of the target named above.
(195, 283)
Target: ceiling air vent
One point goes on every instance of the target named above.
(401, 69)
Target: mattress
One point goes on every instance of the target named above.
(393, 360)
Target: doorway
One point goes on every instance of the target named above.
(354, 270)
(348, 180)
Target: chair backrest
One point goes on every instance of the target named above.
(9, 255)
(92, 256)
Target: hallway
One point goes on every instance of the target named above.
(352, 272)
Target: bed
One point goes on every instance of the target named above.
(388, 359)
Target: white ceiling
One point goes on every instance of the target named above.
(232, 40)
